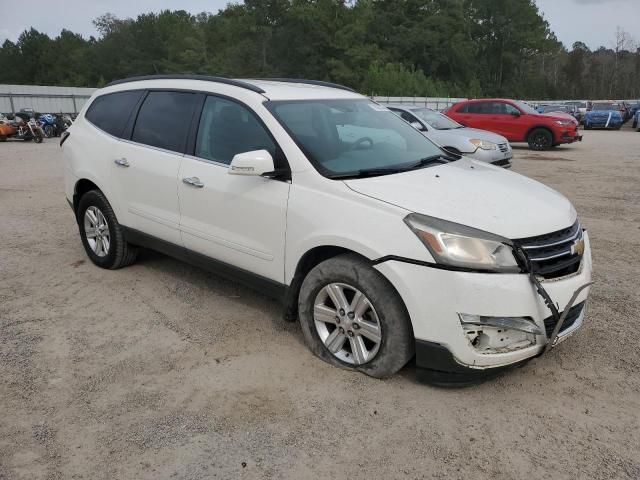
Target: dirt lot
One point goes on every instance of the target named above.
(161, 370)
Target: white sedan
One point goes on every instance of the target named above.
(478, 144)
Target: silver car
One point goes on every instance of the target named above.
(450, 135)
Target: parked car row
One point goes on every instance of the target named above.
(568, 109)
(622, 111)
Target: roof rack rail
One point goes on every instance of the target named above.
(205, 78)
(309, 82)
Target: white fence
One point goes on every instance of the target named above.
(435, 103)
(43, 99)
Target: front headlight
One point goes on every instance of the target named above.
(461, 246)
(483, 144)
(564, 123)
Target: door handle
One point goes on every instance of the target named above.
(193, 181)
(123, 162)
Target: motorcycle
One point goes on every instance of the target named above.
(22, 127)
(49, 125)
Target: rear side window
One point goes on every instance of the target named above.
(164, 120)
(480, 107)
(110, 112)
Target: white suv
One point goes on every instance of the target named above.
(381, 243)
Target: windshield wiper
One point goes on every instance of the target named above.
(374, 172)
(439, 158)
(368, 172)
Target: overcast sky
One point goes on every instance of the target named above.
(591, 21)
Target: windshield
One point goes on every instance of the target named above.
(353, 136)
(435, 119)
(525, 107)
(605, 106)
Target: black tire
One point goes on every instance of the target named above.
(397, 345)
(48, 131)
(3, 139)
(120, 252)
(38, 138)
(540, 139)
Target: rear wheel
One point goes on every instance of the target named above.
(3, 139)
(351, 317)
(540, 139)
(102, 236)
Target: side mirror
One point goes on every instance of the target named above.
(418, 126)
(254, 163)
(515, 114)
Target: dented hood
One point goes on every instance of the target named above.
(474, 194)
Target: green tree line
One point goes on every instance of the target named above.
(383, 47)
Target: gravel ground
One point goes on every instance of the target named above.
(161, 370)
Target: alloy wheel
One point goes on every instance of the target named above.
(96, 230)
(347, 323)
(540, 141)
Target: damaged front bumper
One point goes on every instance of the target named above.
(442, 302)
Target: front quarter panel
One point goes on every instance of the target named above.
(324, 212)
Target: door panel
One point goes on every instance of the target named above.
(145, 170)
(236, 219)
(510, 126)
(147, 189)
(239, 220)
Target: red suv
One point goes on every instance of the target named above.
(517, 121)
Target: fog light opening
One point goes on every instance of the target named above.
(499, 334)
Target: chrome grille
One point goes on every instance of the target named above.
(554, 255)
(504, 147)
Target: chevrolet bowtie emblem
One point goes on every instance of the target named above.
(578, 247)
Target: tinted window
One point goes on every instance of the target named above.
(480, 107)
(501, 108)
(164, 119)
(228, 128)
(110, 112)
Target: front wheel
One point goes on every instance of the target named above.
(102, 235)
(37, 138)
(353, 318)
(540, 139)
(48, 131)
